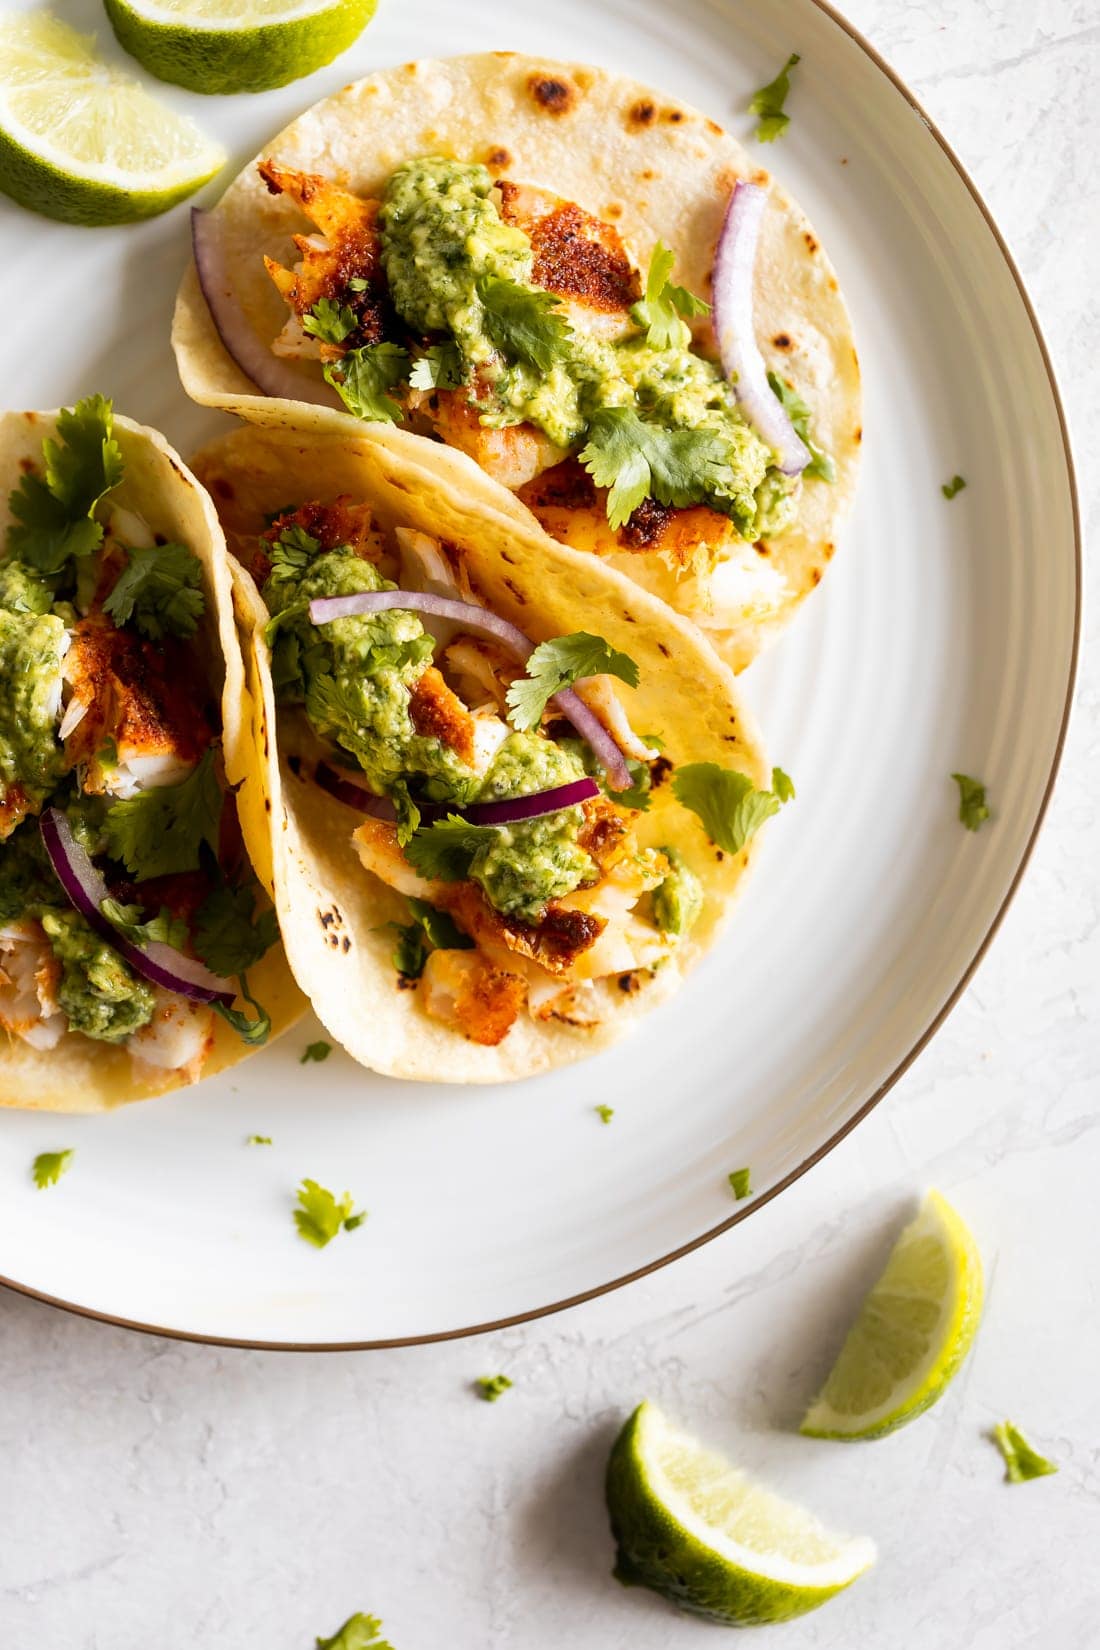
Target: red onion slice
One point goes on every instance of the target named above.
(472, 617)
(734, 263)
(236, 332)
(352, 795)
(508, 812)
(84, 886)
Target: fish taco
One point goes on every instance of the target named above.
(137, 951)
(508, 796)
(592, 291)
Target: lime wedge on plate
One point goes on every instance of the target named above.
(81, 142)
(706, 1537)
(913, 1331)
(237, 45)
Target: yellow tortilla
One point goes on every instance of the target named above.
(81, 1075)
(653, 167)
(331, 910)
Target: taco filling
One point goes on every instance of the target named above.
(127, 909)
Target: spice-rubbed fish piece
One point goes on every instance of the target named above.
(137, 951)
(591, 291)
(507, 796)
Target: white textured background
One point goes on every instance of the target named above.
(158, 1494)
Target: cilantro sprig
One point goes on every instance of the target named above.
(821, 463)
(48, 1167)
(314, 1053)
(523, 323)
(363, 376)
(955, 485)
(329, 321)
(159, 832)
(439, 368)
(163, 929)
(160, 589)
(320, 1216)
(727, 804)
(492, 1387)
(1022, 1461)
(666, 308)
(430, 930)
(636, 460)
(769, 103)
(557, 664)
(973, 807)
(359, 1632)
(740, 1183)
(54, 514)
(229, 937)
(446, 850)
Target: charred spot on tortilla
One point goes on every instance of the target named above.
(672, 117)
(815, 575)
(828, 551)
(783, 341)
(554, 96)
(405, 983)
(858, 437)
(630, 983)
(713, 126)
(661, 648)
(811, 242)
(345, 944)
(761, 547)
(516, 592)
(659, 772)
(641, 113)
(497, 159)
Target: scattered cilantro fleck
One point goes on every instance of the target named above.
(973, 807)
(315, 1052)
(605, 1113)
(524, 323)
(163, 929)
(1022, 1462)
(726, 803)
(955, 485)
(254, 1031)
(359, 1632)
(558, 664)
(447, 849)
(635, 460)
(357, 283)
(783, 785)
(490, 1387)
(160, 588)
(821, 463)
(768, 103)
(158, 833)
(320, 1216)
(259, 1140)
(226, 938)
(362, 377)
(439, 368)
(740, 1183)
(50, 1166)
(53, 514)
(666, 307)
(410, 950)
(329, 321)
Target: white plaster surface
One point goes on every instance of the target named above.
(177, 1496)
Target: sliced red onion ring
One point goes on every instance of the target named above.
(161, 964)
(236, 332)
(326, 608)
(734, 263)
(508, 812)
(352, 795)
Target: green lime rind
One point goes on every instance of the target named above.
(249, 59)
(656, 1550)
(44, 188)
(905, 1347)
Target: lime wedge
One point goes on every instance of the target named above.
(236, 45)
(707, 1538)
(913, 1331)
(81, 142)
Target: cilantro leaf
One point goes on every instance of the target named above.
(636, 460)
(438, 926)
(321, 1216)
(362, 377)
(253, 1031)
(637, 795)
(741, 1183)
(359, 1632)
(768, 103)
(726, 802)
(158, 833)
(163, 929)
(447, 849)
(259, 1140)
(439, 368)
(329, 321)
(292, 552)
(524, 324)
(226, 938)
(161, 590)
(664, 304)
(50, 1166)
(558, 664)
(490, 1387)
(316, 1052)
(53, 516)
(783, 785)
(430, 930)
(973, 807)
(410, 951)
(955, 485)
(821, 463)
(606, 1113)
(1022, 1462)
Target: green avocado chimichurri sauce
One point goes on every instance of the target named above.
(31, 649)
(99, 993)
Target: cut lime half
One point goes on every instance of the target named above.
(81, 142)
(706, 1537)
(913, 1331)
(237, 45)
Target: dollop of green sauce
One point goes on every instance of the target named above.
(99, 993)
(31, 650)
(678, 900)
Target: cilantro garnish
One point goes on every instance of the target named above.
(254, 1032)
(605, 1113)
(973, 807)
(439, 368)
(259, 1140)
(821, 463)
(523, 323)
(741, 1183)
(637, 795)
(50, 1166)
(637, 460)
(161, 590)
(490, 1387)
(315, 1052)
(430, 930)
(163, 929)
(292, 552)
(558, 664)
(768, 103)
(226, 938)
(159, 832)
(329, 321)
(410, 950)
(359, 1632)
(1022, 1462)
(955, 485)
(727, 804)
(447, 849)
(53, 516)
(321, 1216)
(783, 785)
(664, 304)
(362, 377)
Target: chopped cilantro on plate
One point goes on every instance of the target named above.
(769, 103)
(741, 1183)
(320, 1216)
(50, 1166)
(1022, 1461)
(955, 485)
(973, 807)
(490, 1387)
(315, 1052)
(359, 1632)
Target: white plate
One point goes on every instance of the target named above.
(943, 638)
